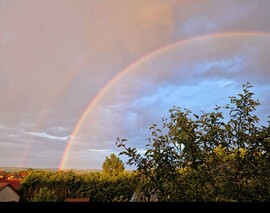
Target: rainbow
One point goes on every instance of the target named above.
(136, 64)
(52, 100)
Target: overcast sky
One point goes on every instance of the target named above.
(56, 56)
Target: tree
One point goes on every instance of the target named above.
(113, 166)
(208, 157)
(45, 195)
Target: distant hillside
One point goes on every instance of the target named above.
(15, 169)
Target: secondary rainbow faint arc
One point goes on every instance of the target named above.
(61, 89)
(146, 57)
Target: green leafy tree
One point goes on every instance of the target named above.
(207, 157)
(113, 166)
(44, 194)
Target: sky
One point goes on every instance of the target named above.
(75, 75)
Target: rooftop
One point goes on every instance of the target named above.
(77, 200)
(3, 185)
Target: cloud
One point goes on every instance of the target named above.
(11, 144)
(195, 25)
(98, 150)
(56, 56)
(45, 135)
(155, 14)
(13, 135)
(229, 65)
(59, 128)
(206, 17)
(2, 126)
(26, 125)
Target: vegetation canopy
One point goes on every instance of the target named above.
(113, 166)
(218, 156)
(44, 186)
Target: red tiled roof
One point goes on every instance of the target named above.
(23, 174)
(3, 185)
(15, 183)
(2, 173)
(77, 200)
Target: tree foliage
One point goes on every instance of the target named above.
(218, 156)
(51, 186)
(113, 166)
(44, 194)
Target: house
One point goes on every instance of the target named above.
(9, 176)
(23, 174)
(77, 200)
(8, 193)
(2, 174)
(15, 183)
